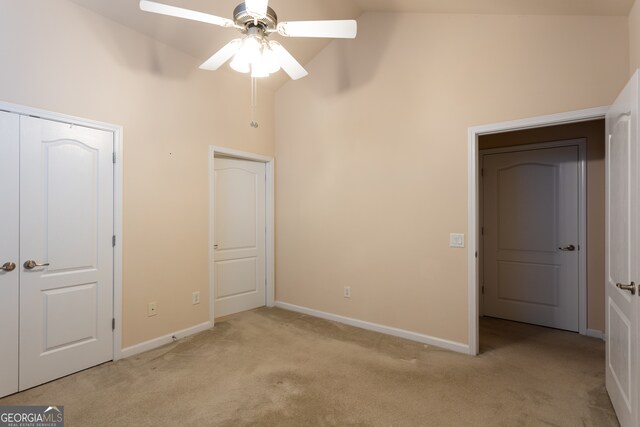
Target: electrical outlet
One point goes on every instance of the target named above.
(347, 291)
(152, 309)
(195, 298)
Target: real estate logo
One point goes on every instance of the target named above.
(31, 416)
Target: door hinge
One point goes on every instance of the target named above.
(114, 157)
(481, 171)
(476, 254)
(113, 241)
(113, 324)
(482, 231)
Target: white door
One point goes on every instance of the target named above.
(66, 254)
(9, 251)
(531, 231)
(622, 256)
(239, 236)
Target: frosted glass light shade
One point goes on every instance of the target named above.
(259, 70)
(256, 56)
(249, 52)
(240, 66)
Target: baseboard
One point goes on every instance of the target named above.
(594, 333)
(163, 340)
(413, 336)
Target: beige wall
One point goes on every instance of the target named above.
(594, 133)
(371, 147)
(61, 57)
(634, 37)
(372, 151)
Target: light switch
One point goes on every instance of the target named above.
(456, 240)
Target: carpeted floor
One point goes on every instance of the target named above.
(271, 367)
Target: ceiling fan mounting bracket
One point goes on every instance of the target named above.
(243, 20)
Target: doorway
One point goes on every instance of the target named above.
(566, 126)
(241, 231)
(532, 209)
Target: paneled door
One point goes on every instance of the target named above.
(9, 251)
(66, 253)
(531, 232)
(239, 236)
(622, 255)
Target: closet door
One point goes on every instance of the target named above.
(9, 253)
(66, 254)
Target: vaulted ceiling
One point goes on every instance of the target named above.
(202, 40)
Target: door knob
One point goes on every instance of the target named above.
(8, 266)
(31, 264)
(569, 248)
(631, 288)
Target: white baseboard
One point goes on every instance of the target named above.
(163, 340)
(595, 334)
(413, 336)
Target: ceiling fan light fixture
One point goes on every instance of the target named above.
(259, 70)
(255, 55)
(252, 48)
(240, 66)
(257, 8)
(250, 51)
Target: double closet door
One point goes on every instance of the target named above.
(56, 254)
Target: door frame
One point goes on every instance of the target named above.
(473, 216)
(269, 217)
(581, 143)
(117, 132)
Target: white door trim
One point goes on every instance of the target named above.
(581, 143)
(270, 219)
(117, 201)
(473, 202)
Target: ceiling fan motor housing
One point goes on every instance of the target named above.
(246, 21)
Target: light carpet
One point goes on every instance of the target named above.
(272, 367)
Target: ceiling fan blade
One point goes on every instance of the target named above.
(223, 55)
(178, 12)
(346, 29)
(257, 8)
(287, 61)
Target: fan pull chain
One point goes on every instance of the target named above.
(254, 102)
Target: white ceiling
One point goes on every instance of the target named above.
(202, 40)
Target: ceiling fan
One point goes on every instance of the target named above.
(254, 53)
